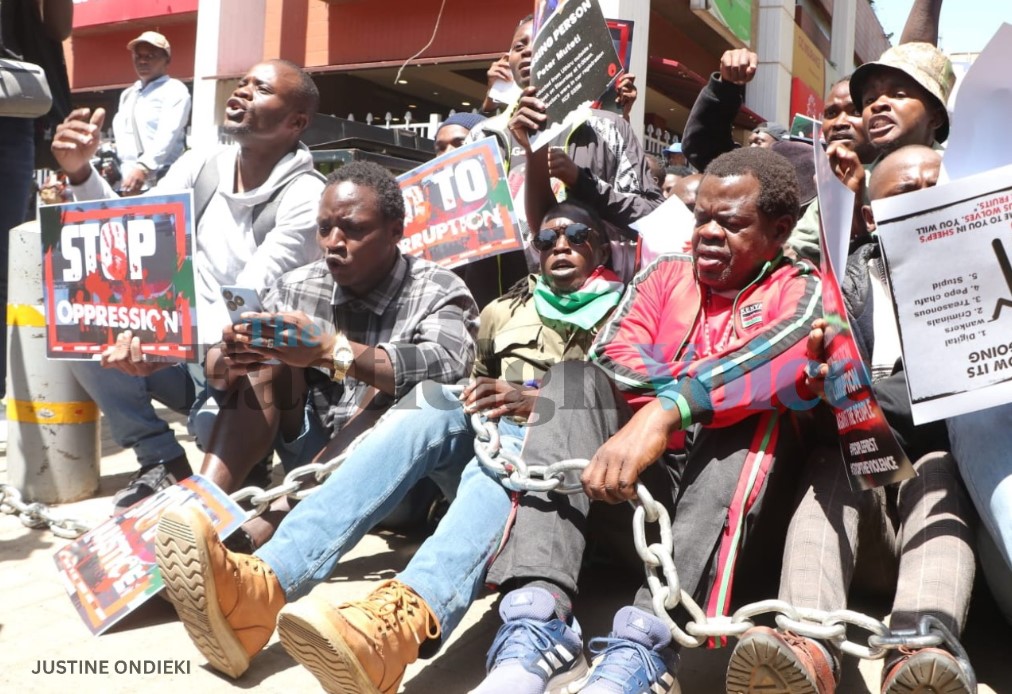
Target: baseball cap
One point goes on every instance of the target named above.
(673, 148)
(924, 64)
(155, 39)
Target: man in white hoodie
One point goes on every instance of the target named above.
(255, 205)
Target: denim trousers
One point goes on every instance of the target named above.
(426, 434)
(17, 152)
(125, 402)
(982, 445)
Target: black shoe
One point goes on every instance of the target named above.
(150, 480)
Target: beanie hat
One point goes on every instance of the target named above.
(774, 130)
(924, 64)
(800, 155)
(467, 120)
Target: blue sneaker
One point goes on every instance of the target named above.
(534, 651)
(635, 659)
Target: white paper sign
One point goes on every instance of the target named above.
(981, 113)
(668, 229)
(948, 251)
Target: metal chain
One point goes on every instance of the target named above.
(658, 557)
(665, 588)
(37, 515)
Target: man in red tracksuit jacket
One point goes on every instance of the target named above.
(695, 372)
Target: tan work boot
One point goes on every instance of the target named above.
(359, 646)
(228, 602)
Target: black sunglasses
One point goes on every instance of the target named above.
(576, 234)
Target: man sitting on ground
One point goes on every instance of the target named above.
(925, 522)
(541, 321)
(255, 206)
(351, 334)
(711, 346)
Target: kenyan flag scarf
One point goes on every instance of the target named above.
(585, 307)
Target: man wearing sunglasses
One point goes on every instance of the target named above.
(366, 645)
(688, 390)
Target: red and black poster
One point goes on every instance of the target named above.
(871, 453)
(115, 265)
(458, 208)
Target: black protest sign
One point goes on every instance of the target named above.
(574, 61)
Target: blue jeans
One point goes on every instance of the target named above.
(125, 401)
(448, 569)
(420, 436)
(17, 152)
(982, 445)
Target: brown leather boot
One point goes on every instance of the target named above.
(228, 602)
(927, 670)
(360, 646)
(768, 662)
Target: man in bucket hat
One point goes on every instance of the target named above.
(902, 96)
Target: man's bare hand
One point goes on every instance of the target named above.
(818, 369)
(290, 337)
(562, 166)
(127, 356)
(618, 464)
(499, 70)
(133, 182)
(528, 118)
(76, 141)
(496, 398)
(626, 93)
(738, 66)
(847, 167)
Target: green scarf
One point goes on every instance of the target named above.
(583, 308)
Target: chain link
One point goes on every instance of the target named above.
(658, 557)
(665, 588)
(37, 516)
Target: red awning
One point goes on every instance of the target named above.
(681, 84)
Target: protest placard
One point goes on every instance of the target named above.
(622, 37)
(871, 454)
(981, 107)
(115, 265)
(457, 207)
(573, 63)
(110, 571)
(947, 253)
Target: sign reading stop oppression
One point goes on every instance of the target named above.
(115, 265)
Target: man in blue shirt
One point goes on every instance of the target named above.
(150, 123)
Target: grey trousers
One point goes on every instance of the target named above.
(916, 536)
(580, 408)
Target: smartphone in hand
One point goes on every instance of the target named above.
(240, 300)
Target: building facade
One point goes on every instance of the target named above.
(367, 56)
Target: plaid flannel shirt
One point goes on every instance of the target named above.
(421, 315)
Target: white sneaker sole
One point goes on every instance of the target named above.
(183, 559)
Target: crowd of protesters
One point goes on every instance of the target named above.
(681, 375)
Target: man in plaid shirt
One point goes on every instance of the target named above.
(341, 339)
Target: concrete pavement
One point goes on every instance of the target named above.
(38, 622)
